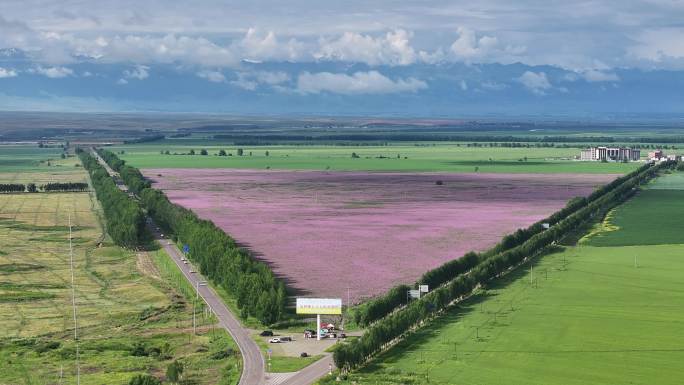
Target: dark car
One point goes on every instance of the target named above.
(266, 333)
(285, 339)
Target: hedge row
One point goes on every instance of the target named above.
(258, 292)
(397, 324)
(379, 307)
(125, 219)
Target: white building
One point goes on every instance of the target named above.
(611, 154)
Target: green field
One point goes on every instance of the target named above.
(445, 157)
(587, 315)
(652, 217)
(130, 319)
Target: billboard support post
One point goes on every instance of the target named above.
(318, 327)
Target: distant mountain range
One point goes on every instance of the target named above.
(335, 88)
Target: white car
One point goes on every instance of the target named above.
(185, 262)
(193, 271)
(275, 340)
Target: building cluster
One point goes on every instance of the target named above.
(611, 154)
(659, 156)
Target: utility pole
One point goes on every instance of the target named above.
(194, 307)
(73, 304)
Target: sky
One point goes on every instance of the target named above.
(383, 57)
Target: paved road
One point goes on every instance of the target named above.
(311, 373)
(253, 361)
(253, 372)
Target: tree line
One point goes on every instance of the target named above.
(49, 187)
(66, 186)
(124, 216)
(398, 324)
(380, 306)
(258, 292)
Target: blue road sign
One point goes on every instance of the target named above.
(186, 249)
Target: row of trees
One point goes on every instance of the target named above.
(379, 307)
(49, 187)
(125, 219)
(12, 187)
(251, 282)
(396, 325)
(66, 186)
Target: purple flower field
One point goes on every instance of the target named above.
(324, 232)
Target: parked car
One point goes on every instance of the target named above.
(285, 339)
(342, 335)
(193, 271)
(266, 333)
(304, 355)
(275, 340)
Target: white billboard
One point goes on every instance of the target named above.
(423, 288)
(414, 293)
(319, 306)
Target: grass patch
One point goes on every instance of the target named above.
(652, 217)
(586, 307)
(8, 268)
(445, 156)
(119, 307)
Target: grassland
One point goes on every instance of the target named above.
(446, 157)
(587, 315)
(130, 319)
(653, 217)
(30, 164)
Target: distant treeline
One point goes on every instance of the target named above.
(67, 186)
(124, 216)
(417, 137)
(457, 279)
(145, 139)
(50, 187)
(251, 282)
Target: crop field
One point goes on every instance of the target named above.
(325, 232)
(650, 218)
(443, 157)
(587, 315)
(30, 164)
(130, 321)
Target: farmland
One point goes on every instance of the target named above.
(422, 157)
(612, 311)
(132, 317)
(368, 230)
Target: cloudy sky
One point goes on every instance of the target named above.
(384, 56)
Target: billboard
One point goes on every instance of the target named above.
(319, 306)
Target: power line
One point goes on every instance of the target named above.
(73, 304)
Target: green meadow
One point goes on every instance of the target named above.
(587, 315)
(424, 157)
(652, 217)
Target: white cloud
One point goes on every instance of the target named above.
(52, 72)
(394, 48)
(7, 73)
(537, 82)
(212, 76)
(492, 86)
(593, 75)
(251, 80)
(371, 82)
(468, 46)
(463, 85)
(140, 72)
(659, 44)
(257, 46)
